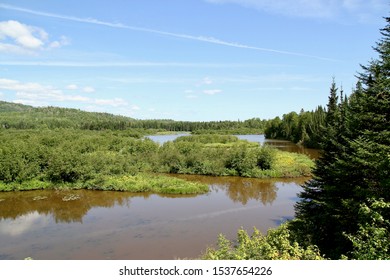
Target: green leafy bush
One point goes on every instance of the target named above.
(277, 244)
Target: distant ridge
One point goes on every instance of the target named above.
(18, 116)
(13, 107)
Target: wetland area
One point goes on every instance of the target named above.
(84, 224)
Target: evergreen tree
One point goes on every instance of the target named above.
(355, 163)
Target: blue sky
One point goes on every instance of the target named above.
(194, 60)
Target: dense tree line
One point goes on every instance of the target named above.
(19, 116)
(304, 128)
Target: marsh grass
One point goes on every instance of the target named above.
(152, 183)
(288, 164)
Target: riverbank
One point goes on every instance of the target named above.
(137, 183)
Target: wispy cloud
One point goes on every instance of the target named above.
(88, 89)
(207, 81)
(212, 91)
(72, 87)
(205, 39)
(325, 9)
(115, 102)
(43, 95)
(134, 64)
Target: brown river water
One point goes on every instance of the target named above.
(118, 225)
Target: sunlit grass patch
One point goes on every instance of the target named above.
(292, 164)
(151, 183)
(148, 183)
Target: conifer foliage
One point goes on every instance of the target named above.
(354, 168)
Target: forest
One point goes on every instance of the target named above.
(18, 116)
(343, 211)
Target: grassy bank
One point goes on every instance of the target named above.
(137, 183)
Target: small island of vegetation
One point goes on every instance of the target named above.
(34, 159)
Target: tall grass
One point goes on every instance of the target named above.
(152, 183)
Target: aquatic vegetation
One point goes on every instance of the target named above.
(71, 197)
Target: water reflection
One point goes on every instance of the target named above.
(72, 205)
(241, 190)
(119, 225)
(65, 206)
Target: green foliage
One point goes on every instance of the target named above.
(220, 155)
(147, 183)
(372, 240)
(344, 209)
(276, 245)
(141, 182)
(19, 116)
(38, 159)
(305, 128)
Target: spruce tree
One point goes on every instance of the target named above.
(354, 168)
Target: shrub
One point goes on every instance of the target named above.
(276, 245)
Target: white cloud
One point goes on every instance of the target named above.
(88, 89)
(191, 96)
(23, 224)
(72, 87)
(116, 102)
(43, 95)
(23, 35)
(57, 44)
(136, 64)
(207, 81)
(19, 38)
(212, 91)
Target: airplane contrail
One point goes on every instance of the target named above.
(206, 39)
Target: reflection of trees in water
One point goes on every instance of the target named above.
(76, 204)
(49, 202)
(246, 189)
(65, 206)
(241, 189)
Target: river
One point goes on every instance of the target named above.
(118, 225)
